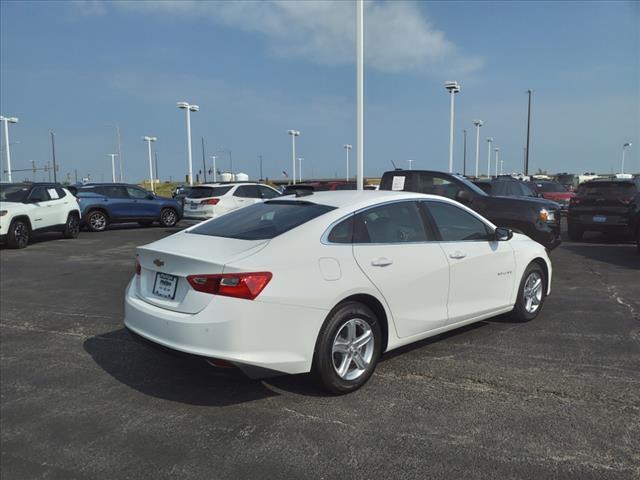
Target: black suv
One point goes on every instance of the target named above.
(610, 206)
(535, 217)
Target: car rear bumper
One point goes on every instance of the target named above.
(250, 334)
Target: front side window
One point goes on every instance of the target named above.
(399, 222)
(266, 192)
(137, 193)
(13, 192)
(435, 185)
(454, 224)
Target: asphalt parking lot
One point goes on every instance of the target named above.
(558, 397)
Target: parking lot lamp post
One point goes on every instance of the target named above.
(294, 134)
(215, 173)
(188, 109)
(300, 169)
(113, 166)
(7, 121)
(149, 140)
(452, 87)
(489, 140)
(624, 148)
(347, 147)
(410, 164)
(478, 124)
(497, 150)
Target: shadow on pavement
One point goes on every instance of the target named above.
(623, 255)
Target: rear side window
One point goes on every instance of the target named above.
(208, 192)
(61, 192)
(262, 221)
(247, 191)
(39, 194)
(399, 222)
(342, 232)
(454, 224)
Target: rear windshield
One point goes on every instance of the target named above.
(550, 187)
(607, 189)
(207, 192)
(263, 220)
(14, 192)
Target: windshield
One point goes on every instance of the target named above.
(207, 192)
(14, 192)
(262, 220)
(471, 185)
(550, 187)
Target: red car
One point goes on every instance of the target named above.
(555, 192)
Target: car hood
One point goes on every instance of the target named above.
(14, 207)
(531, 201)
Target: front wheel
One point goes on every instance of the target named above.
(347, 349)
(18, 234)
(97, 221)
(72, 227)
(531, 294)
(168, 217)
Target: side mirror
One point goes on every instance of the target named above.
(463, 196)
(151, 196)
(502, 234)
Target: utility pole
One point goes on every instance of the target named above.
(53, 155)
(526, 158)
(204, 162)
(260, 157)
(49, 170)
(464, 161)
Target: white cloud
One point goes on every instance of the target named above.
(398, 36)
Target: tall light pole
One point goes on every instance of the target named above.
(53, 155)
(347, 147)
(215, 173)
(360, 94)
(113, 166)
(294, 134)
(497, 150)
(149, 140)
(410, 164)
(501, 166)
(188, 109)
(300, 169)
(489, 140)
(7, 121)
(478, 124)
(452, 87)
(526, 158)
(117, 129)
(464, 154)
(624, 147)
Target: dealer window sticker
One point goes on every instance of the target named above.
(53, 193)
(398, 183)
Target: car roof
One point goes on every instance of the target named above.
(227, 184)
(349, 198)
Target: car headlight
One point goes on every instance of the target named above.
(547, 215)
(3, 213)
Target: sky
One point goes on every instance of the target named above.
(259, 69)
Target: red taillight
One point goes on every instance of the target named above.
(237, 285)
(138, 267)
(626, 200)
(210, 201)
(575, 200)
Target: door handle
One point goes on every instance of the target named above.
(457, 255)
(381, 262)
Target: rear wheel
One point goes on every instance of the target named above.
(168, 217)
(72, 227)
(18, 234)
(347, 349)
(575, 233)
(531, 294)
(97, 221)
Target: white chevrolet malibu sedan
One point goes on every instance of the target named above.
(327, 282)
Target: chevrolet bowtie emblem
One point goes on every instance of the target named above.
(158, 263)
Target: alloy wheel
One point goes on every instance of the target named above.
(98, 221)
(532, 292)
(352, 350)
(168, 218)
(21, 234)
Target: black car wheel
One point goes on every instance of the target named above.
(97, 221)
(575, 233)
(168, 217)
(72, 227)
(347, 349)
(18, 234)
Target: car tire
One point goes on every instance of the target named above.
(97, 221)
(531, 294)
(575, 233)
(342, 363)
(168, 217)
(72, 227)
(19, 234)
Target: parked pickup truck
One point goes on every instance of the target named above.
(535, 217)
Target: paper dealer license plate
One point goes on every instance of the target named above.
(165, 285)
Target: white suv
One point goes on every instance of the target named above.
(28, 208)
(215, 199)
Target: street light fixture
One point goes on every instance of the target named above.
(624, 147)
(188, 108)
(452, 87)
(149, 140)
(294, 134)
(347, 147)
(7, 121)
(489, 140)
(113, 166)
(497, 150)
(478, 124)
